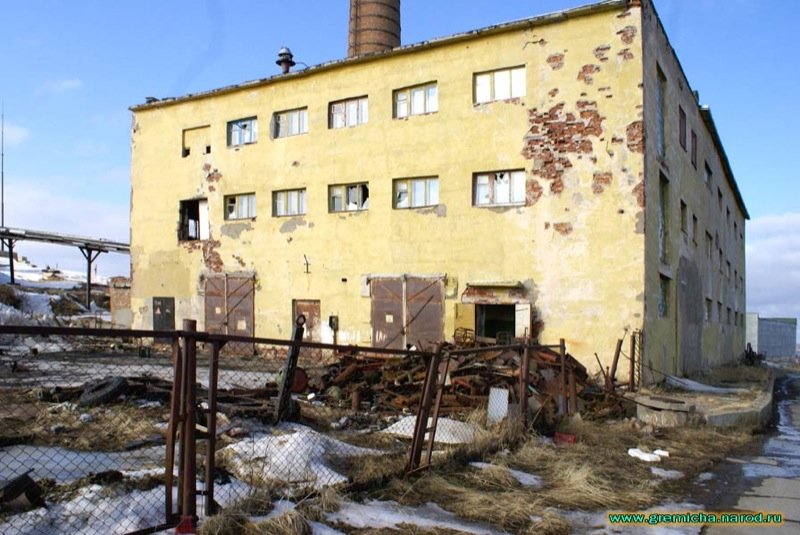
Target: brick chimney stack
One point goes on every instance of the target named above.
(374, 26)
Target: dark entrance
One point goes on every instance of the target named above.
(491, 320)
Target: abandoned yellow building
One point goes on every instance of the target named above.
(552, 177)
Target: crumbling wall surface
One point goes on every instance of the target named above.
(702, 223)
(573, 238)
(119, 290)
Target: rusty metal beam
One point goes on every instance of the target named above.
(172, 429)
(632, 368)
(524, 371)
(211, 427)
(615, 362)
(285, 388)
(423, 411)
(189, 446)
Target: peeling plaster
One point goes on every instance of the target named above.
(234, 230)
(290, 225)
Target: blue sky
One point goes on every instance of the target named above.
(70, 70)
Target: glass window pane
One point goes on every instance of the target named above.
(433, 191)
(432, 98)
(483, 89)
(336, 199)
(303, 205)
(294, 123)
(418, 192)
(352, 113)
(417, 101)
(518, 186)
(482, 189)
(363, 110)
(231, 208)
(502, 188)
(502, 85)
(401, 194)
(518, 82)
(352, 198)
(401, 104)
(280, 201)
(292, 202)
(303, 121)
(253, 130)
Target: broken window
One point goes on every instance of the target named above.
(720, 317)
(289, 202)
(416, 192)
(348, 112)
(416, 100)
(663, 218)
(498, 188)
(684, 218)
(242, 206)
(492, 320)
(707, 175)
(719, 199)
(193, 222)
(663, 296)
(709, 310)
(661, 111)
(682, 127)
(694, 229)
(290, 122)
(709, 246)
(242, 132)
(499, 85)
(348, 197)
(694, 149)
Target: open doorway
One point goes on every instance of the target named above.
(490, 320)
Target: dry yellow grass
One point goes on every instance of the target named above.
(289, 523)
(227, 523)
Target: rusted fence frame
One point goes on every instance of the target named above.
(524, 372)
(423, 411)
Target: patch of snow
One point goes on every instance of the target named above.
(661, 453)
(666, 474)
(525, 479)
(694, 386)
(448, 431)
(297, 456)
(37, 304)
(647, 457)
(378, 514)
(705, 476)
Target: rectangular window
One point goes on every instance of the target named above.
(193, 222)
(735, 231)
(720, 317)
(498, 188)
(682, 127)
(348, 197)
(499, 85)
(289, 202)
(663, 296)
(242, 131)
(719, 199)
(416, 192)
(661, 112)
(290, 122)
(348, 112)
(694, 149)
(684, 218)
(707, 175)
(728, 270)
(730, 316)
(694, 229)
(709, 246)
(663, 219)
(416, 100)
(241, 206)
(709, 310)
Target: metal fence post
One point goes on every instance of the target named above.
(423, 411)
(189, 446)
(175, 423)
(563, 409)
(211, 426)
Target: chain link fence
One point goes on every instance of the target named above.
(131, 431)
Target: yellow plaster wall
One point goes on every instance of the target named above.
(578, 251)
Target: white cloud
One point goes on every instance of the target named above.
(60, 86)
(15, 135)
(773, 265)
(51, 208)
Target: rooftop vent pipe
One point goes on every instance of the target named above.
(374, 26)
(285, 59)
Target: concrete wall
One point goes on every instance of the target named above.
(694, 253)
(752, 330)
(777, 337)
(119, 289)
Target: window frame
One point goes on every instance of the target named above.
(693, 140)
(193, 220)
(491, 186)
(285, 196)
(237, 199)
(284, 117)
(429, 105)
(493, 85)
(245, 124)
(682, 127)
(344, 189)
(361, 114)
(410, 192)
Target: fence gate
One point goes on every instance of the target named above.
(230, 309)
(407, 310)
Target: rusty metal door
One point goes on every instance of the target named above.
(230, 309)
(407, 311)
(387, 313)
(424, 310)
(311, 310)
